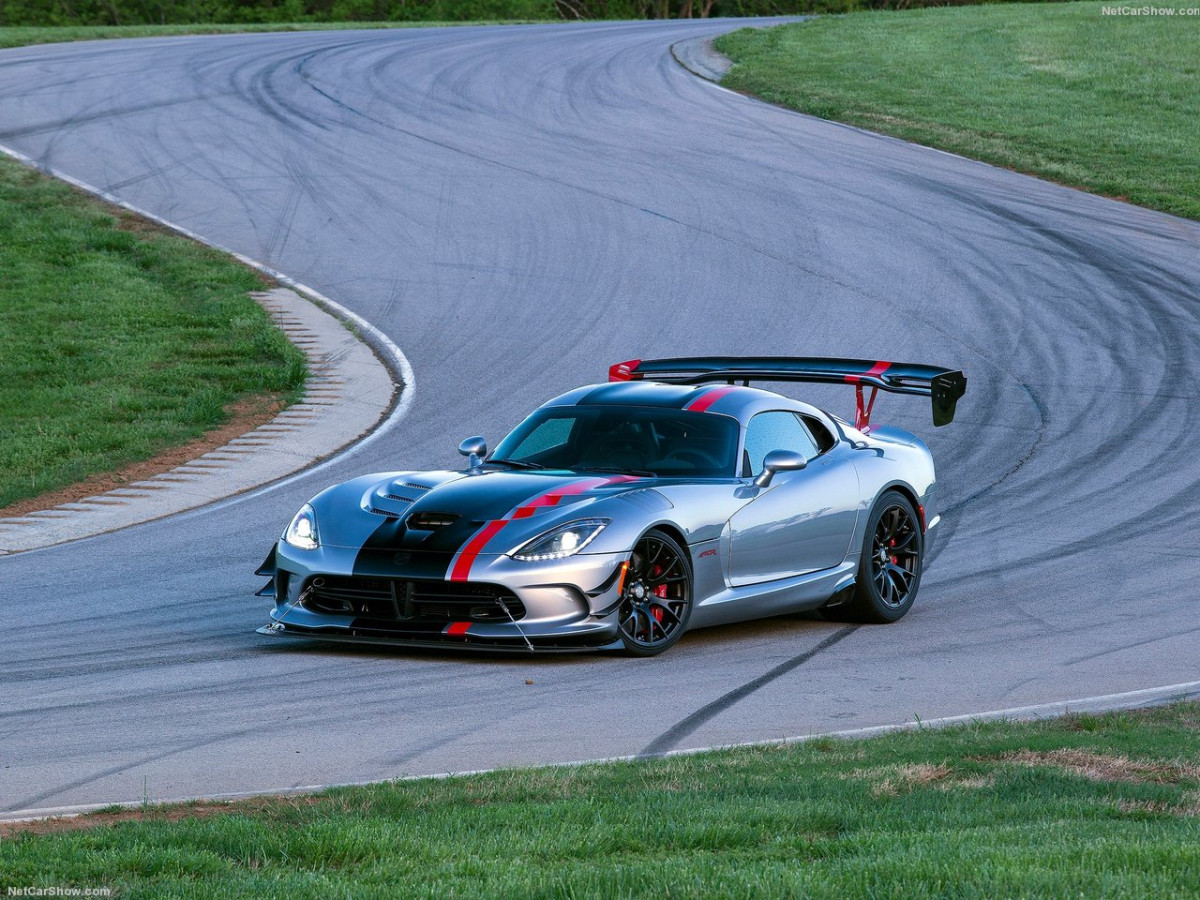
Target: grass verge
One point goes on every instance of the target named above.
(120, 339)
(1103, 102)
(21, 36)
(1082, 806)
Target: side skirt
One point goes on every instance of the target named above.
(773, 598)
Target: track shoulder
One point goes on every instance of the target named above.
(348, 393)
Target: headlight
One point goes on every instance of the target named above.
(302, 532)
(563, 541)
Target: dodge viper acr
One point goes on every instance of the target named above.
(619, 515)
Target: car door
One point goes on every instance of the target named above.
(803, 521)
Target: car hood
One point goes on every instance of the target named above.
(439, 512)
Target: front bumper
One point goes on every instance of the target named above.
(337, 594)
(591, 636)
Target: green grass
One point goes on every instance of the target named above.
(117, 341)
(1089, 806)
(1106, 103)
(21, 36)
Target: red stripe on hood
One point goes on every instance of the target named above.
(461, 570)
(473, 547)
(552, 497)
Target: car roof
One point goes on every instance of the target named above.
(738, 401)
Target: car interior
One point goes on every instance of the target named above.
(665, 442)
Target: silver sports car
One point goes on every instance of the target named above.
(620, 515)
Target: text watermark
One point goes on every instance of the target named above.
(1150, 10)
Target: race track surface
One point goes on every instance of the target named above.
(517, 208)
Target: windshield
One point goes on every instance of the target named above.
(635, 439)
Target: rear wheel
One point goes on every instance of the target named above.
(889, 571)
(656, 601)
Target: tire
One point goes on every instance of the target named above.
(889, 570)
(656, 601)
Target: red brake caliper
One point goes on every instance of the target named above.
(660, 592)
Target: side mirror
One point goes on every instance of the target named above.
(779, 461)
(474, 449)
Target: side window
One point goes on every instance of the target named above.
(822, 435)
(775, 431)
(550, 435)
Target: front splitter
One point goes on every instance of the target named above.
(455, 643)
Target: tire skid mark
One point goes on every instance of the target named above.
(670, 738)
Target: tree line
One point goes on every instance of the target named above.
(184, 12)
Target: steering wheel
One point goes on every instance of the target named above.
(697, 459)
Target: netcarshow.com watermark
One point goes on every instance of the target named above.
(1150, 10)
(58, 892)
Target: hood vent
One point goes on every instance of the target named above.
(431, 521)
(401, 493)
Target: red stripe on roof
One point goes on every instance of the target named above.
(708, 398)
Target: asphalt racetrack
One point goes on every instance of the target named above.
(519, 207)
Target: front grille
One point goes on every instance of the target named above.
(394, 599)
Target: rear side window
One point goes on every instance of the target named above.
(822, 435)
(775, 431)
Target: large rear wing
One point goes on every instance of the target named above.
(943, 386)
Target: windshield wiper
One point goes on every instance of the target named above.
(515, 463)
(615, 470)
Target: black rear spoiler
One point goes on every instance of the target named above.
(943, 386)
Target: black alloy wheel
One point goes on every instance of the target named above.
(889, 571)
(656, 601)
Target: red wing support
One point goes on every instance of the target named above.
(944, 387)
(862, 414)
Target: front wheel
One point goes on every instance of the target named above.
(656, 601)
(889, 571)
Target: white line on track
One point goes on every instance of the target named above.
(1156, 696)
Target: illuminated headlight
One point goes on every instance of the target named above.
(302, 532)
(563, 541)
